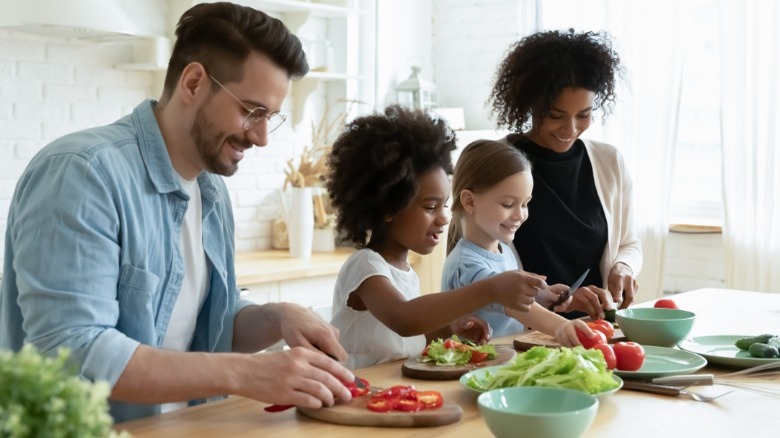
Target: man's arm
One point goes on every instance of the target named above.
(257, 327)
(298, 376)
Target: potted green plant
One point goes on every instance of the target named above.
(43, 396)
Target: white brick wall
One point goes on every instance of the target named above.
(49, 88)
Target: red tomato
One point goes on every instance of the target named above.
(430, 399)
(586, 342)
(666, 303)
(455, 345)
(357, 391)
(603, 326)
(477, 356)
(630, 356)
(609, 355)
(425, 350)
(380, 404)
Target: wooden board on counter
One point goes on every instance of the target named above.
(427, 371)
(355, 413)
(535, 338)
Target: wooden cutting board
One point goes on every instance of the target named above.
(355, 413)
(535, 338)
(427, 371)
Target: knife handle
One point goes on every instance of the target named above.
(651, 387)
(686, 380)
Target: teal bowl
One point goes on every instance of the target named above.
(651, 326)
(537, 412)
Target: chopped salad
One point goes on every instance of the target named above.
(453, 351)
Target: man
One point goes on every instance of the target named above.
(120, 245)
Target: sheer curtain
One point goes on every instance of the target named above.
(750, 32)
(649, 37)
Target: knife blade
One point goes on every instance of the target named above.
(565, 296)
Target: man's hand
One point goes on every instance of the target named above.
(298, 376)
(622, 284)
(302, 327)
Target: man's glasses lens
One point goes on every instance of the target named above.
(256, 116)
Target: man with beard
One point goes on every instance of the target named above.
(120, 238)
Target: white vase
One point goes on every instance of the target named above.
(300, 228)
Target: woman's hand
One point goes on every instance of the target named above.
(591, 300)
(622, 284)
(549, 295)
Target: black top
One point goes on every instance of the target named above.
(566, 230)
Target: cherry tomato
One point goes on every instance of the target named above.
(609, 355)
(455, 345)
(586, 342)
(430, 399)
(355, 390)
(425, 350)
(380, 404)
(666, 303)
(602, 326)
(630, 356)
(477, 356)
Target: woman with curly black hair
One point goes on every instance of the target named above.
(546, 91)
(389, 182)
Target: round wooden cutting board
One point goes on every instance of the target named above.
(428, 371)
(355, 413)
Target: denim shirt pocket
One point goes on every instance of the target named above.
(135, 293)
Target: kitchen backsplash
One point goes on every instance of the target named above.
(49, 88)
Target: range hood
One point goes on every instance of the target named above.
(100, 20)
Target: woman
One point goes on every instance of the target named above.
(546, 91)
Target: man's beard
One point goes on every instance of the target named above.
(209, 146)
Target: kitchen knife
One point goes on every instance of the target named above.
(565, 296)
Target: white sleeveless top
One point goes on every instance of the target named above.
(365, 338)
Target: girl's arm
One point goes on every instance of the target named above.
(430, 312)
(541, 319)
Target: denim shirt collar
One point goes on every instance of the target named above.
(157, 160)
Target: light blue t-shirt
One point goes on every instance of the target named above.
(93, 257)
(467, 263)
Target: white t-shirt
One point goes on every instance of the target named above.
(365, 338)
(181, 327)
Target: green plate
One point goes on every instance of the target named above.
(720, 349)
(663, 361)
(480, 373)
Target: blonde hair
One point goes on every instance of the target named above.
(482, 164)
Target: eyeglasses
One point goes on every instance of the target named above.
(254, 116)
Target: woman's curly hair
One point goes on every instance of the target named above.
(376, 164)
(540, 65)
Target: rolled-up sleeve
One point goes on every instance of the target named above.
(66, 260)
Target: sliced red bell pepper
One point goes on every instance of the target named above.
(430, 399)
(380, 404)
(407, 405)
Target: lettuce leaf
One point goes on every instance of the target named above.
(570, 368)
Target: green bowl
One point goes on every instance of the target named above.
(651, 326)
(537, 412)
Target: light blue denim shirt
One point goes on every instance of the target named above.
(467, 263)
(93, 259)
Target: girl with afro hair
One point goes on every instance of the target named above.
(546, 91)
(389, 182)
